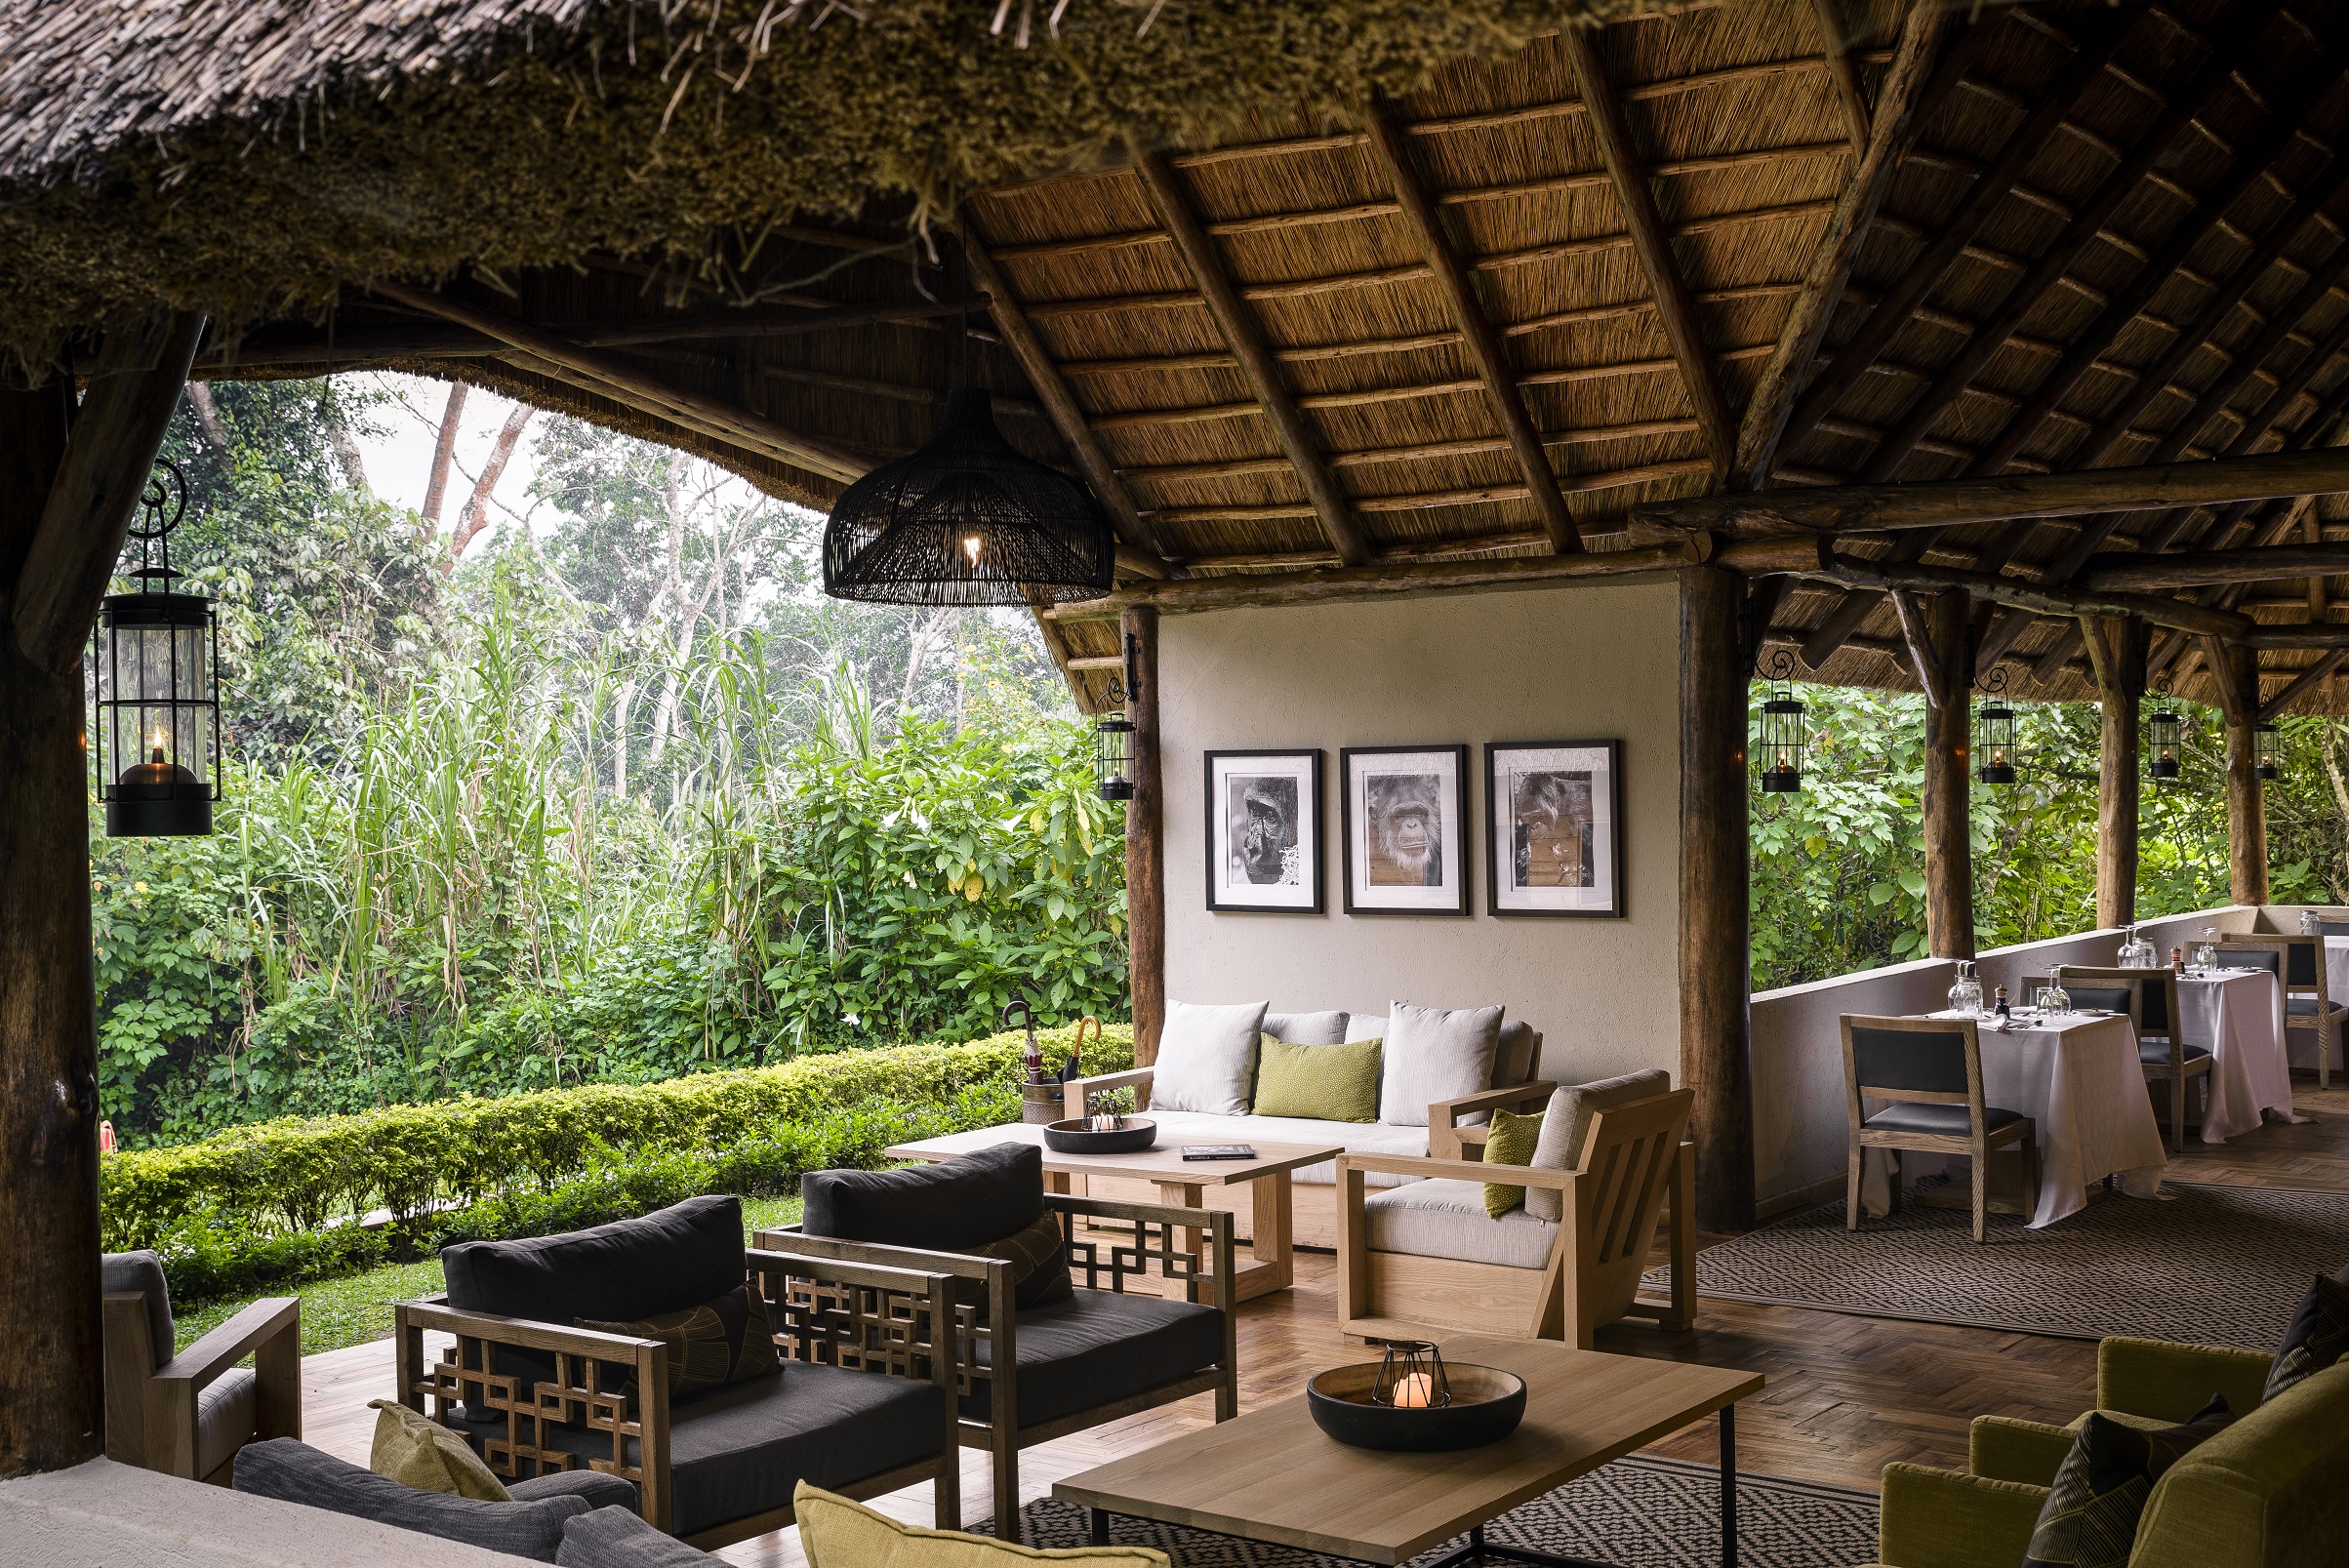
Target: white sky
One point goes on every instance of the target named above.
(399, 459)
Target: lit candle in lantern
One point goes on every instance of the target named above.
(1414, 1390)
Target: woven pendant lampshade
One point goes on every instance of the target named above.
(967, 520)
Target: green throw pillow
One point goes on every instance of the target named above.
(1323, 1082)
(1509, 1142)
(2089, 1520)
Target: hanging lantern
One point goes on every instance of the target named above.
(967, 521)
(1994, 732)
(2165, 741)
(1113, 737)
(1782, 733)
(158, 733)
(2267, 752)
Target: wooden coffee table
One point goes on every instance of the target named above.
(1182, 1184)
(1273, 1475)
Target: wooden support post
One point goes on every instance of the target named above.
(2116, 650)
(2235, 671)
(1144, 836)
(1715, 872)
(1949, 860)
(52, 1382)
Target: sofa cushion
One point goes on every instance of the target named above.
(1038, 1255)
(1207, 1058)
(1431, 1054)
(2318, 1338)
(726, 1339)
(600, 1491)
(1445, 1218)
(2089, 1520)
(739, 1450)
(618, 1538)
(629, 1269)
(224, 1417)
(1307, 1028)
(413, 1449)
(836, 1533)
(1176, 1128)
(1513, 1143)
(1102, 1345)
(956, 1205)
(1319, 1082)
(1566, 1127)
(291, 1472)
(1365, 1026)
(141, 1273)
(1516, 1054)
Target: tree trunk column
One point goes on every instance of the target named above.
(1949, 859)
(1715, 966)
(1144, 836)
(2246, 805)
(52, 1379)
(2117, 775)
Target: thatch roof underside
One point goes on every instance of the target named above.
(2133, 219)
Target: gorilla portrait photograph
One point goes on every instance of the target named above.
(1406, 828)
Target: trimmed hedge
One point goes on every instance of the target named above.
(451, 1169)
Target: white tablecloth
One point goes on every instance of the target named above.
(2082, 1085)
(2238, 1017)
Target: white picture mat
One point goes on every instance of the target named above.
(1232, 778)
(1518, 778)
(1365, 774)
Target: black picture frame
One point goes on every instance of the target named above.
(1509, 892)
(1226, 893)
(1450, 852)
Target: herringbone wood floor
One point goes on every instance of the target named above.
(1846, 1395)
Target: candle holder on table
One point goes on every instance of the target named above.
(1411, 1400)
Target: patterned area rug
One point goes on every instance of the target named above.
(1639, 1512)
(2206, 1264)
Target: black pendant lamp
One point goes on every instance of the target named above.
(967, 521)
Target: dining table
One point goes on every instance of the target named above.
(2078, 1077)
(2237, 1015)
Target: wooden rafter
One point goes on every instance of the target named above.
(2283, 700)
(1844, 72)
(2264, 564)
(1256, 364)
(1477, 334)
(1898, 113)
(1627, 168)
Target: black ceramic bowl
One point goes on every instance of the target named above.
(1487, 1406)
(1074, 1138)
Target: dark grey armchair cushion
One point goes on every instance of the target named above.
(956, 1205)
(1102, 1346)
(600, 1491)
(142, 1273)
(292, 1471)
(616, 1538)
(623, 1271)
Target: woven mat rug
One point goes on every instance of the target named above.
(2206, 1264)
(1640, 1512)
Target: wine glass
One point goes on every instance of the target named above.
(1966, 996)
(2205, 951)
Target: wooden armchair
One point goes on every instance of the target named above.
(187, 1414)
(1426, 1260)
(1449, 1137)
(1065, 1356)
(828, 1315)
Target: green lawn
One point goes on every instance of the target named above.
(357, 1307)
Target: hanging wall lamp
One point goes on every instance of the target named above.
(157, 747)
(1113, 737)
(2164, 740)
(1781, 734)
(2267, 752)
(1994, 732)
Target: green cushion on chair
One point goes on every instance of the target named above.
(1323, 1082)
(1511, 1142)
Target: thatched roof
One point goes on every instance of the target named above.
(731, 247)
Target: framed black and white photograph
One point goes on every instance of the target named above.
(1405, 811)
(1264, 831)
(1554, 838)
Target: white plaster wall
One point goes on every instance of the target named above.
(1587, 661)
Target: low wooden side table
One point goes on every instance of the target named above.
(1181, 1183)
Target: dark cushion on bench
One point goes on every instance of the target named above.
(600, 1490)
(616, 1538)
(739, 1450)
(956, 1205)
(291, 1472)
(630, 1269)
(1102, 1346)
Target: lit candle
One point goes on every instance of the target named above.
(1414, 1391)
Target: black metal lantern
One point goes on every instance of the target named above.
(1994, 734)
(157, 654)
(1781, 734)
(2164, 742)
(1113, 737)
(1411, 1377)
(2267, 752)
(967, 521)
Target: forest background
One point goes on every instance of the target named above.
(590, 783)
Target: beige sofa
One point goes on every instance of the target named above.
(1516, 1066)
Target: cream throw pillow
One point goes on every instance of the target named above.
(1207, 1059)
(1566, 1127)
(417, 1451)
(1432, 1054)
(836, 1533)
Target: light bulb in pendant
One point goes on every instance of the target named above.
(970, 547)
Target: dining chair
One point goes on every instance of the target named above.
(2153, 1011)
(2299, 965)
(2332, 927)
(1931, 1070)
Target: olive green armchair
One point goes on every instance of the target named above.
(2264, 1493)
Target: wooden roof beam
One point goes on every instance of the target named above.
(1256, 364)
(2198, 618)
(1458, 288)
(1619, 150)
(1843, 71)
(2283, 700)
(2197, 568)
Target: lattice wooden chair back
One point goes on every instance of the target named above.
(1618, 1198)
